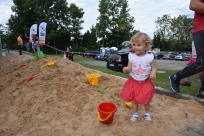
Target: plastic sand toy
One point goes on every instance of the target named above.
(49, 63)
(101, 91)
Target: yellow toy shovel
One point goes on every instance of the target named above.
(49, 63)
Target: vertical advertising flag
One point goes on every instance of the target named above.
(42, 33)
(33, 31)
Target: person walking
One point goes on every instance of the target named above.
(20, 43)
(192, 60)
(139, 88)
(198, 37)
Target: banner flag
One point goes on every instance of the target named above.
(42, 33)
(33, 31)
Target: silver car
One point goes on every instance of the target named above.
(181, 56)
(170, 55)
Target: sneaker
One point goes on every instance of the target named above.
(134, 118)
(174, 83)
(200, 95)
(186, 84)
(147, 117)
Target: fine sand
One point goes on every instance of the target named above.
(60, 102)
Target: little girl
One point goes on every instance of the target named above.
(139, 88)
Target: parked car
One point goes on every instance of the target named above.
(98, 56)
(90, 54)
(170, 55)
(158, 55)
(188, 56)
(181, 56)
(103, 56)
(107, 55)
(118, 60)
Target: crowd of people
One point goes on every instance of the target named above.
(35, 45)
(25, 41)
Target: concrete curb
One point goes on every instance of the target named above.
(170, 93)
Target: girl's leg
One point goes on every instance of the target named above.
(134, 107)
(147, 113)
(147, 107)
(135, 112)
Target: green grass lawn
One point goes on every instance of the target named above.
(161, 80)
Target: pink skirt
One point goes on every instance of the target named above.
(138, 92)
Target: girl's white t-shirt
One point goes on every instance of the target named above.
(141, 67)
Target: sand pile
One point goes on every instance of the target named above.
(59, 102)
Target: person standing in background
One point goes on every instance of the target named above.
(71, 53)
(27, 44)
(20, 44)
(36, 43)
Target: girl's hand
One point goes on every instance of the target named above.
(125, 69)
(152, 76)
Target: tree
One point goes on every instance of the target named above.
(163, 25)
(174, 32)
(180, 29)
(93, 37)
(76, 15)
(102, 25)
(115, 23)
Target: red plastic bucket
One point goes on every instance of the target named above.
(106, 112)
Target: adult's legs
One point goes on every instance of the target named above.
(28, 46)
(71, 57)
(20, 49)
(37, 46)
(193, 68)
(197, 66)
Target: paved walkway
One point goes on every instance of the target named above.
(191, 129)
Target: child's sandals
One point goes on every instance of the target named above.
(147, 117)
(134, 118)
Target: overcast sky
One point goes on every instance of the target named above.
(145, 12)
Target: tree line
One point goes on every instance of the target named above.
(114, 25)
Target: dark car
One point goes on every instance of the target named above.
(90, 54)
(158, 55)
(118, 61)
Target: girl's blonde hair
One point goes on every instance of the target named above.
(142, 37)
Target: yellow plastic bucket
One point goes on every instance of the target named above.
(93, 79)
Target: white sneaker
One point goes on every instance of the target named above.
(134, 118)
(147, 117)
